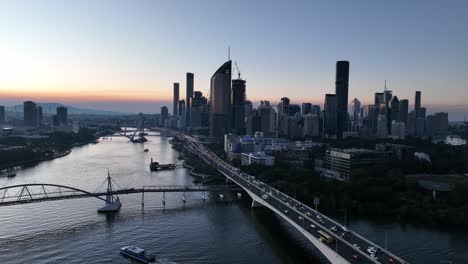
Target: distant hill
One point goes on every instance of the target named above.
(51, 108)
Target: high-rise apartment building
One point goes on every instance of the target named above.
(30, 113)
(189, 98)
(306, 108)
(2, 114)
(341, 91)
(330, 109)
(356, 109)
(62, 115)
(175, 100)
(417, 103)
(404, 105)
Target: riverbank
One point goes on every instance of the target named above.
(18, 151)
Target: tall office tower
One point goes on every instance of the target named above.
(373, 116)
(387, 96)
(175, 100)
(395, 109)
(356, 109)
(398, 130)
(238, 106)
(330, 118)
(2, 114)
(267, 118)
(417, 103)
(39, 115)
(341, 91)
(62, 115)
(253, 123)
(404, 111)
(411, 124)
(283, 105)
(419, 127)
(311, 127)
(382, 129)
(316, 110)
(220, 121)
(248, 108)
(293, 109)
(196, 110)
(306, 108)
(189, 97)
(30, 113)
(164, 115)
(378, 98)
(422, 113)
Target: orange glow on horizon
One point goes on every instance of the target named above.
(85, 96)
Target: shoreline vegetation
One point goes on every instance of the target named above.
(19, 151)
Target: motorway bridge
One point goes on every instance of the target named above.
(338, 245)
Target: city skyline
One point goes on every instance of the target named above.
(56, 53)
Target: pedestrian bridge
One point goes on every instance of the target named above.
(42, 192)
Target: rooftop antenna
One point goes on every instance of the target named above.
(229, 53)
(385, 87)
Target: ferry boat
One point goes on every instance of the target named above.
(138, 254)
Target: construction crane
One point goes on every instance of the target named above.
(238, 71)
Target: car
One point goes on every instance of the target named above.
(345, 229)
(312, 225)
(285, 211)
(374, 256)
(391, 260)
(356, 246)
(343, 235)
(334, 229)
(319, 217)
(308, 214)
(356, 257)
(265, 197)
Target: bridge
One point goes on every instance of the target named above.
(335, 241)
(42, 192)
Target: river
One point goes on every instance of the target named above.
(211, 231)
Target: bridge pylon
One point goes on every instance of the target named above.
(113, 203)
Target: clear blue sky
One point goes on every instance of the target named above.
(124, 55)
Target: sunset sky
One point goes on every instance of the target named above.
(125, 55)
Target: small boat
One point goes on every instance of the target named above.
(146, 150)
(137, 254)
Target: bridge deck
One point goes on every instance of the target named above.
(41, 194)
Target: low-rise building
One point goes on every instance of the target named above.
(257, 158)
(342, 163)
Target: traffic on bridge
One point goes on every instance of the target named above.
(346, 246)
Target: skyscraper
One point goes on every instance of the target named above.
(378, 98)
(62, 115)
(30, 113)
(306, 108)
(220, 91)
(356, 108)
(404, 111)
(238, 106)
(395, 109)
(341, 91)
(417, 103)
(189, 98)
(2, 114)
(39, 114)
(330, 109)
(175, 100)
(165, 112)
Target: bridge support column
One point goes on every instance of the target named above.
(142, 200)
(256, 204)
